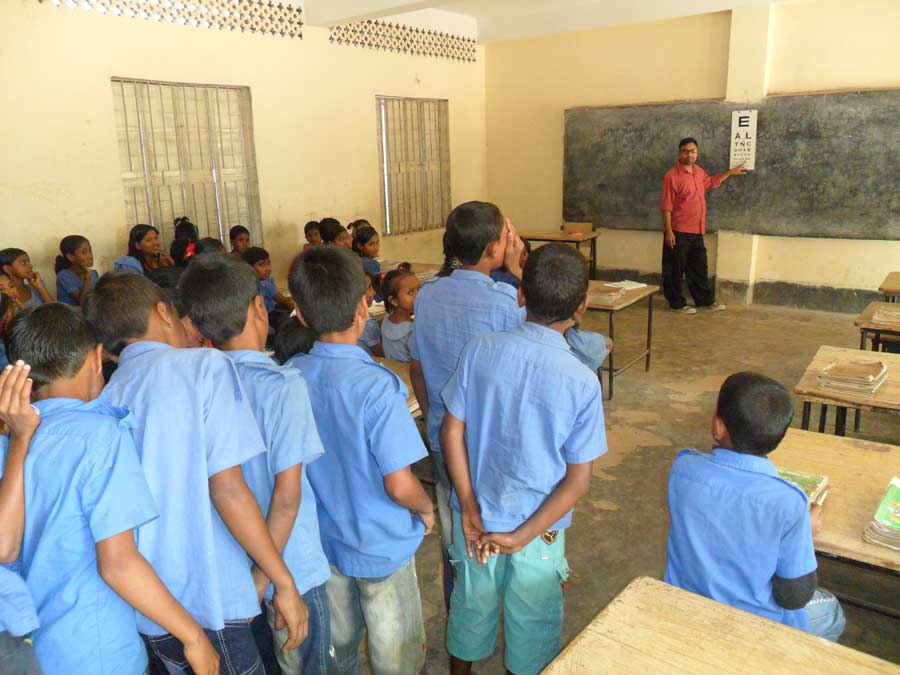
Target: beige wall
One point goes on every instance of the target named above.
(313, 114)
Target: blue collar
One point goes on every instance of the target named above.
(471, 275)
(52, 406)
(250, 356)
(538, 333)
(739, 460)
(136, 349)
(332, 350)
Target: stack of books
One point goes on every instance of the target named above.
(813, 485)
(853, 377)
(887, 316)
(884, 529)
(605, 294)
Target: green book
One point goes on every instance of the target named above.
(814, 485)
(888, 513)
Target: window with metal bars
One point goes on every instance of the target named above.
(414, 139)
(187, 150)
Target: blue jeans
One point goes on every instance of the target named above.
(826, 618)
(389, 610)
(316, 654)
(17, 656)
(237, 650)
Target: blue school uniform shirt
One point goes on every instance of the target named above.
(17, 614)
(128, 263)
(371, 266)
(530, 408)
(588, 347)
(502, 275)
(192, 420)
(371, 335)
(34, 301)
(396, 339)
(450, 311)
(83, 484)
(280, 402)
(68, 282)
(364, 423)
(268, 291)
(735, 525)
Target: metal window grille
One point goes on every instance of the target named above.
(414, 143)
(187, 150)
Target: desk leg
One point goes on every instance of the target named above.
(862, 338)
(840, 422)
(807, 408)
(649, 331)
(612, 368)
(593, 270)
(823, 416)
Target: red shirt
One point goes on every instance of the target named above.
(684, 194)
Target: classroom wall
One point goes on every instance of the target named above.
(313, 114)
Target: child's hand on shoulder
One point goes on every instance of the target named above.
(15, 401)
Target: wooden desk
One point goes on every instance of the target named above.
(652, 627)
(858, 474)
(891, 287)
(886, 399)
(631, 297)
(422, 270)
(577, 238)
(401, 370)
(869, 327)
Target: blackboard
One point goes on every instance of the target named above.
(827, 165)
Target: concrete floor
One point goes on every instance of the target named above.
(619, 531)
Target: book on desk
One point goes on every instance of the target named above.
(814, 486)
(884, 529)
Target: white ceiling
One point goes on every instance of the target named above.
(509, 19)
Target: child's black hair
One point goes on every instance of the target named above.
(237, 231)
(166, 277)
(554, 282)
(186, 233)
(359, 222)
(255, 254)
(389, 286)
(119, 308)
(470, 228)
(330, 229)
(208, 245)
(67, 246)
(216, 292)
(363, 236)
(310, 226)
(54, 339)
(8, 257)
(6, 304)
(687, 141)
(292, 338)
(135, 235)
(327, 283)
(527, 245)
(756, 410)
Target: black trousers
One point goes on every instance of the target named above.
(687, 259)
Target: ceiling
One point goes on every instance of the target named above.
(495, 20)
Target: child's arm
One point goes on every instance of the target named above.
(453, 443)
(23, 421)
(417, 380)
(573, 487)
(79, 294)
(240, 511)
(131, 576)
(37, 284)
(283, 511)
(405, 489)
(794, 593)
(284, 300)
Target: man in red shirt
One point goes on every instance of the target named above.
(683, 208)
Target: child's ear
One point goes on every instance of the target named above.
(96, 357)
(521, 297)
(720, 431)
(362, 309)
(578, 316)
(165, 313)
(259, 307)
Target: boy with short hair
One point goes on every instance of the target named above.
(194, 428)
(261, 262)
(524, 423)
(84, 495)
(740, 534)
(223, 299)
(373, 511)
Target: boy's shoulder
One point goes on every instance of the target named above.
(357, 373)
(87, 420)
(457, 283)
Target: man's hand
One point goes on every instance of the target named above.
(15, 401)
(428, 519)
(669, 238)
(472, 528)
(293, 613)
(512, 256)
(737, 171)
(816, 517)
(203, 659)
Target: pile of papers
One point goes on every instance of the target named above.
(853, 377)
(814, 485)
(887, 316)
(605, 294)
(884, 529)
(627, 285)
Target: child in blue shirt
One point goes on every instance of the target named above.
(238, 324)
(193, 431)
(399, 289)
(258, 258)
(74, 276)
(84, 495)
(372, 510)
(28, 282)
(367, 244)
(370, 340)
(740, 534)
(524, 423)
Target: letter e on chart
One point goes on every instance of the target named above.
(743, 139)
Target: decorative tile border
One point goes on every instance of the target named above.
(403, 39)
(261, 17)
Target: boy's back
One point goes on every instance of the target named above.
(192, 420)
(83, 484)
(365, 426)
(735, 525)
